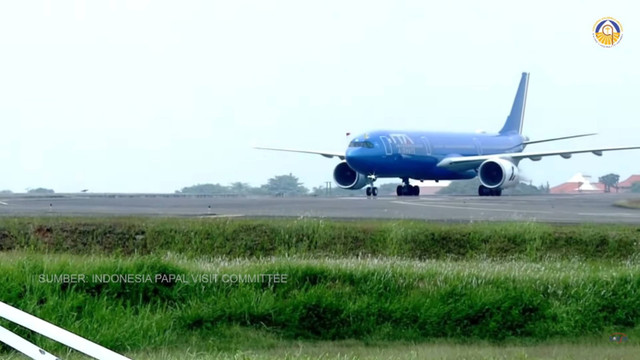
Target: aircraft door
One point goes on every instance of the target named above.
(427, 145)
(476, 142)
(387, 145)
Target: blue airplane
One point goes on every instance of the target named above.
(493, 158)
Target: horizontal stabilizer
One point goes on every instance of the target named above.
(529, 142)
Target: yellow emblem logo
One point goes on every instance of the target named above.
(607, 32)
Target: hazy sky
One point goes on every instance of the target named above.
(152, 96)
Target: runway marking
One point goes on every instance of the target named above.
(609, 214)
(481, 204)
(220, 216)
(471, 208)
(458, 203)
(3, 203)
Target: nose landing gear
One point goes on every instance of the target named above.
(372, 190)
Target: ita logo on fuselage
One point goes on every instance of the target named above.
(401, 139)
(607, 32)
(403, 143)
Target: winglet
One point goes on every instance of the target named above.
(513, 125)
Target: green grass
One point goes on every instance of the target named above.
(354, 289)
(371, 300)
(196, 238)
(352, 350)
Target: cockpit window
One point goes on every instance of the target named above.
(365, 144)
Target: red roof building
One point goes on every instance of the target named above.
(625, 185)
(581, 184)
(578, 184)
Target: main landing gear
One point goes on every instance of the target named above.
(372, 190)
(407, 190)
(485, 191)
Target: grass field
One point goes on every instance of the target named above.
(242, 238)
(343, 290)
(352, 350)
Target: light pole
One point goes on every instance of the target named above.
(327, 188)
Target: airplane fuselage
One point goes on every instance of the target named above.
(415, 154)
(422, 155)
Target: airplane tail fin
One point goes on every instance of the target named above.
(513, 125)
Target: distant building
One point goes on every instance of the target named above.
(578, 184)
(626, 185)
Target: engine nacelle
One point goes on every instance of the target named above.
(498, 173)
(347, 178)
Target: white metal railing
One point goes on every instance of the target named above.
(51, 331)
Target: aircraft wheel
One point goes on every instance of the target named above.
(416, 190)
(374, 191)
(399, 190)
(368, 191)
(483, 191)
(497, 192)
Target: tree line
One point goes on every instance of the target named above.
(281, 185)
(290, 185)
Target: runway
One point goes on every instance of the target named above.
(593, 208)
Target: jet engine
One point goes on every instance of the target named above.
(347, 178)
(498, 173)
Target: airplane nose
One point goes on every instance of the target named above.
(350, 153)
(353, 153)
(357, 159)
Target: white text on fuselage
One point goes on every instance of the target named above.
(404, 144)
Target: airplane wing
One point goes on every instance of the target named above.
(462, 163)
(328, 154)
(528, 142)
